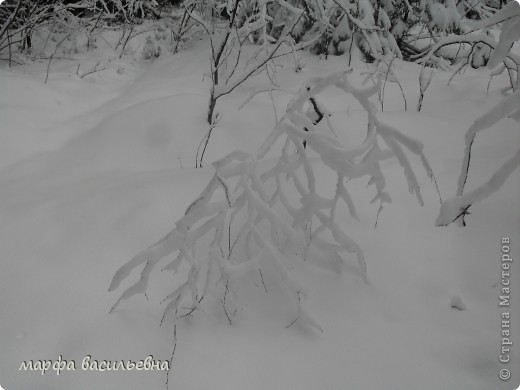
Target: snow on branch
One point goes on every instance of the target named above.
(510, 11)
(500, 51)
(454, 208)
(510, 59)
(254, 216)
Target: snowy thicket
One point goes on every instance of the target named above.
(39, 28)
(378, 28)
(247, 219)
(372, 28)
(456, 208)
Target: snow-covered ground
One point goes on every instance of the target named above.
(94, 170)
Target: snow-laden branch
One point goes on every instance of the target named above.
(468, 39)
(279, 214)
(510, 11)
(456, 207)
(505, 108)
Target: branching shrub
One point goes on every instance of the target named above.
(248, 215)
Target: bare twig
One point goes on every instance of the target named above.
(46, 40)
(93, 70)
(52, 55)
(262, 278)
(89, 34)
(205, 141)
(48, 67)
(224, 303)
(10, 53)
(424, 84)
(172, 355)
(126, 40)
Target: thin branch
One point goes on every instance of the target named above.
(48, 67)
(172, 355)
(224, 303)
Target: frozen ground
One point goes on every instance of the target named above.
(94, 170)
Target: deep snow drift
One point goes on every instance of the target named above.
(94, 170)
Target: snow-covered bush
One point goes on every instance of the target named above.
(151, 49)
(127, 10)
(456, 208)
(379, 28)
(19, 19)
(364, 25)
(441, 17)
(476, 47)
(255, 217)
(44, 27)
(480, 9)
